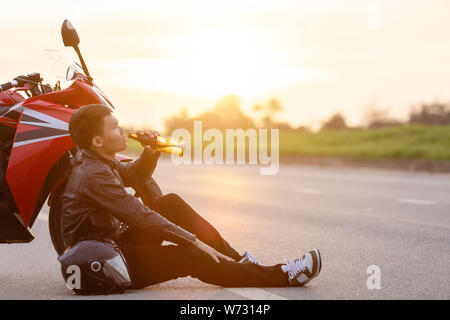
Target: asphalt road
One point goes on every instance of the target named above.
(398, 221)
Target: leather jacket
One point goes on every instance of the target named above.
(95, 204)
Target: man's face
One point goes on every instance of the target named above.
(114, 138)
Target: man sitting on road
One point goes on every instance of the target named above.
(96, 205)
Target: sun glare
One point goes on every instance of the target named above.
(215, 63)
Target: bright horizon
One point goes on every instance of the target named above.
(154, 58)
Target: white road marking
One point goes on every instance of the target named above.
(43, 217)
(308, 191)
(256, 294)
(417, 201)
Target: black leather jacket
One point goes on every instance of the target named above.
(96, 205)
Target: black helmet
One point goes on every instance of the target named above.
(95, 267)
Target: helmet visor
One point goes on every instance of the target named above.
(116, 269)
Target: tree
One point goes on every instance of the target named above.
(430, 113)
(227, 114)
(377, 118)
(269, 110)
(336, 121)
(181, 120)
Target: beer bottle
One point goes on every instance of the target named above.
(161, 143)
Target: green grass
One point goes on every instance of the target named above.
(399, 142)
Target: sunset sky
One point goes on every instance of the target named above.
(154, 57)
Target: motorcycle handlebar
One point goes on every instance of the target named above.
(34, 78)
(8, 85)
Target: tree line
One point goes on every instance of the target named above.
(227, 113)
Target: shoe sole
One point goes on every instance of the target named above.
(319, 261)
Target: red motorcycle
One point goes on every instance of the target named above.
(36, 148)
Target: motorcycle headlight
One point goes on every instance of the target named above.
(72, 71)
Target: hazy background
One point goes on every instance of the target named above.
(153, 58)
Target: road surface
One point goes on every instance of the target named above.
(396, 221)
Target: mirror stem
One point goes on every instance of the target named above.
(77, 50)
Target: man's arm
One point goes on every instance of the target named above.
(138, 171)
(104, 190)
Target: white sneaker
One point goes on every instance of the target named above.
(249, 257)
(303, 270)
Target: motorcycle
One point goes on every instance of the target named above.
(36, 150)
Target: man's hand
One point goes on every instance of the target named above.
(213, 253)
(147, 135)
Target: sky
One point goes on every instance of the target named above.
(153, 58)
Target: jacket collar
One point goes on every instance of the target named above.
(91, 154)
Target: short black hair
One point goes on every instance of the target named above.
(86, 123)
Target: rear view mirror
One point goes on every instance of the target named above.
(71, 39)
(69, 34)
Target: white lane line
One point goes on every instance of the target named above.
(308, 191)
(256, 294)
(417, 201)
(43, 217)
